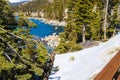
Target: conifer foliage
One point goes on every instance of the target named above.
(21, 57)
(93, 20)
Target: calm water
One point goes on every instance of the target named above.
(43, 29)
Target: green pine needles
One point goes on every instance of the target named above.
(89, 20)
(21, 58)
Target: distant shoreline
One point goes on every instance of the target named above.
(51, 22)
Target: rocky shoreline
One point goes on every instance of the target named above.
(52, 40)
(51, 22)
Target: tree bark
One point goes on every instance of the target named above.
(83, 34)
(94, 8)
(105, 20)
(49, 66)
(118, 13)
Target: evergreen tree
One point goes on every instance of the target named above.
(6, 15)
(79, 19)
(95, 25)
(113, 17)
(21, 57)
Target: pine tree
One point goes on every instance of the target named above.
(5, 14)
(20, 56)
(113, 17)
(84, 22)
(80, 15)
(95, 25)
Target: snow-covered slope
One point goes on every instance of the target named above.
(87, 62)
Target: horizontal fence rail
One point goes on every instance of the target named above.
(112, 70)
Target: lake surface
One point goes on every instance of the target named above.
(44, 29)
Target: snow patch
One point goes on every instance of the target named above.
(87, 63)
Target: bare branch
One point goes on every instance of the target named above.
(11, 34)
(8, 57)
(8, 45)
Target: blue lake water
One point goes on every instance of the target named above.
(43, 29)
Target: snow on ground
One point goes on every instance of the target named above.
(87, 62)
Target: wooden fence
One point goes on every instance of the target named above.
(112, 70)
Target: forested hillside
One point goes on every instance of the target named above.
(88, 20)
(21, 57)
(52, 9)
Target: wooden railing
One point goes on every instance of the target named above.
(118, 77)
(112, 70)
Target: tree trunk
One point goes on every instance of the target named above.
(49, 66)
(38, 13)
(83, 34)
(114, 32)
(105, 20)
(94, 8)
(118, 13)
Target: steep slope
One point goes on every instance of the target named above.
(87, 62)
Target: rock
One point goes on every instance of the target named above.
(52, 40)
(88, 44)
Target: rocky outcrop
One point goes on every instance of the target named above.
(52, 40)
(88, 44)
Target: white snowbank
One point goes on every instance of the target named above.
(88, 62)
